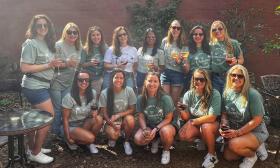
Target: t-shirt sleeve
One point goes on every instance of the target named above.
(67, 101)
(83, 56)
(161, 57)
(186, 99)
(103, 99)
(215, 104)
(28, 52)
(131, 96)
(256, 107)
(108, 55)
(139, 104)
(167, 104)
(94, 100)
(135, 54)
(236, 47)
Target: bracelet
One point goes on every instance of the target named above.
(157, 128)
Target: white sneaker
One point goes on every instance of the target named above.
(261, 152)
(127, 148)
(200, 145)
(72, 146)
(154, 148)
(210, 161)
(111, 143)
(248, 162)
(93, 149)
(43, 150)
(165, 157)
(40, 158)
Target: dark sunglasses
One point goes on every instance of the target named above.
(201, 80)
(176, 27)
(41, 26)
(69, 32)
(198, 34)
(120, 35)
(83, 80)
(220, 29)
(239, 76)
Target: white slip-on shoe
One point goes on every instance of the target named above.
(210, 161)
(165, 157)
(40, 158)
(93, 149)
(262, 152)
(72, 146)
(127, 148)
(111, 143)
(154, 148)
(248, 162)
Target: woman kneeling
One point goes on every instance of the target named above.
(155, 110)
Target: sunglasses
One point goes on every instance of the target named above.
(176, 27)
(81, 80)
(220, 29)
(74, 32)
(120, 35)
(198, 34)
(239, 76)
(41, 26)
(201, 80)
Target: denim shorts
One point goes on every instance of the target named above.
(140, 79)
(36, 96)
(174, 78)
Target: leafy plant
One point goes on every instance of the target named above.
(151, 14)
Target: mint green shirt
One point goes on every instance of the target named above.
(193, 102)
(168, 50)
(35, 51)
(218, 52)
(155, 111)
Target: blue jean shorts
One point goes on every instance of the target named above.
(174, 78)
(36, 96)
(140, 79)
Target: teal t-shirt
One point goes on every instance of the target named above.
(169, 51)
(78, 112)
(144, 58)
(122, 100)
(97, 71)
(193, 102)
(240, 113)
(155, 111)
(199, 60)
(65, 79)
(36, 52)
(218, 52)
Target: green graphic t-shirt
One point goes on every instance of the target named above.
(218, 52)
(155, 111)
(199, 60)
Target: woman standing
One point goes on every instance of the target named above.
(226, 52)
(242, 119)
(37, 62)
(120, 55)
(173, 45)
(81, 122)
(68, 49)
(200, 108)
(93, 56)
(150, 58)
(155, 110)
(117, 104)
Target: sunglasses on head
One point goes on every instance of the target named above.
(176, 27)
(74, 32)
(239, 76)
(41, 26)
(198, 34)
(220, 29)
(83, 80)
(201, 80)
(123, 34)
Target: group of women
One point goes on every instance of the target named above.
(89, 87)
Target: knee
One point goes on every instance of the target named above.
(167, 132)
(99, 120)
(90, 138)
(129, 121)
(234, 146)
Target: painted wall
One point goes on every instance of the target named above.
(16, 14)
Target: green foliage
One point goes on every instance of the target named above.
(151, 14)
(273, 44)
(237, 22)
(277, 10)
(5, 102)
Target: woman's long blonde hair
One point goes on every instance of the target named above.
(214, 40)
(78, 43)
(246, 86)
(181, 41)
